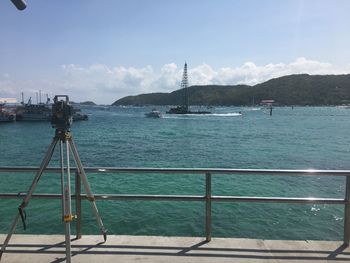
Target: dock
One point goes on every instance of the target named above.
(142, 249)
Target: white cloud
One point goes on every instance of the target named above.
(7, 88)
(105, 84)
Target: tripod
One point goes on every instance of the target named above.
(62, 136)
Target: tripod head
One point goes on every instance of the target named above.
(62, 114)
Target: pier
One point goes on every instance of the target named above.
(50, 248)
(155, 249)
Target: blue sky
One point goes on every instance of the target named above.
(107, 49)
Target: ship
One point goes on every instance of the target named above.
(34, 112)
(185, 107)
(42, 112)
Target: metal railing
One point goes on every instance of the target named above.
(208, 198)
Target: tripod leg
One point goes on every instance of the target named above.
(31, 189)
(90, 195)
(66, 201)
(62, 178)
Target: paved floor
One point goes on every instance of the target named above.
(50, 248)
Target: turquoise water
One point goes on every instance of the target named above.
(303, 138)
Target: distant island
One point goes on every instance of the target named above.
(300, 89)
(88, 103)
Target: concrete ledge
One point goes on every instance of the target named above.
(51, 248)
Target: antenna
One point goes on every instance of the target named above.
(22, 98)
(184, 85)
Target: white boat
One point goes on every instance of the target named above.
(344, 106)
(154, 114)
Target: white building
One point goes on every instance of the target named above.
(8, 100)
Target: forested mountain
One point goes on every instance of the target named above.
(302, 89)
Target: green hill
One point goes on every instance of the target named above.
(302, 89)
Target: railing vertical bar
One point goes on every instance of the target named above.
(208, 206)
(347, 213)
(78, 204)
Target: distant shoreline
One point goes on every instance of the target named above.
(291, 90)
(217, 106)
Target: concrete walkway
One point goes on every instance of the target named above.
(50, 248)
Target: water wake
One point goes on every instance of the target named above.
(230, 114)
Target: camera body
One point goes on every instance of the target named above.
(62, 113)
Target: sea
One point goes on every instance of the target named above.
(230, 137)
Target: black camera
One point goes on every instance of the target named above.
(62, 113)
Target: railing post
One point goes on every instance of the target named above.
(78, 204)
(208, 206)
(347, 213)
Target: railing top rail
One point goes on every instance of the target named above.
(306, 172)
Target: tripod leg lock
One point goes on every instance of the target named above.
(69, 218)
(90, 198)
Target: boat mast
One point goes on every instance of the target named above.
(184, 85)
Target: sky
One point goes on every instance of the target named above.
(102, 50)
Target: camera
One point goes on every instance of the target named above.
(62, 113)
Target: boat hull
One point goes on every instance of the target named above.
(33, 117)
(185, 110)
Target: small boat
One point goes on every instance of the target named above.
(79, 116)
(6, 116)
(154, 114)
(344, 106)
